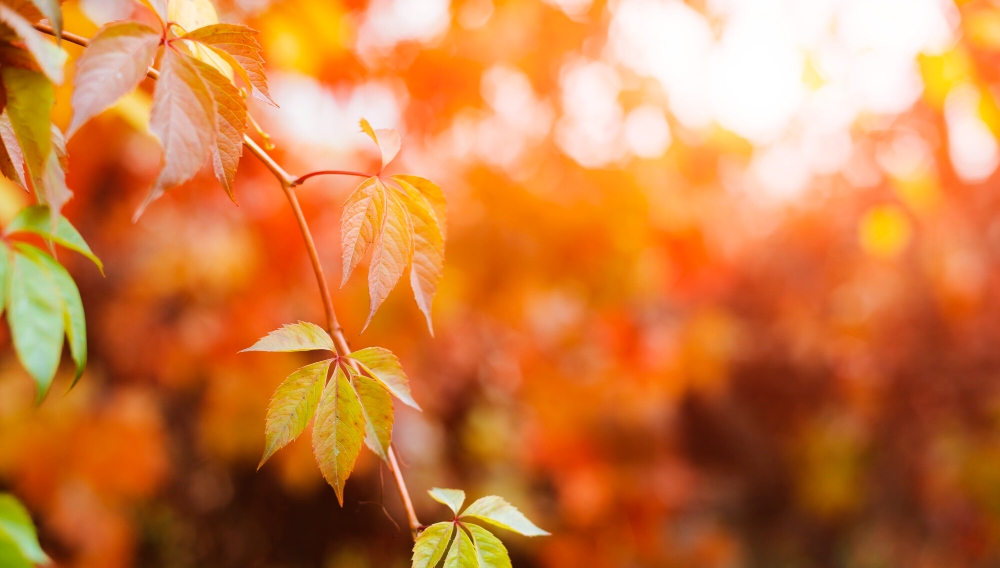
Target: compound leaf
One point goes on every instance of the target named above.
(496, 511)
(113, 65)
(393, 250)
(453, 498)
(302, 336)
(361, 222)
(338, 432)
(383, 365)
(489, 550)
(292, 406)
(432, 544)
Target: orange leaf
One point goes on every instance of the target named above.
(386, 139)
(236, 46)
(393, 251)
(361, 222)
(230, 124)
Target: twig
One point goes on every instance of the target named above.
(288, 182)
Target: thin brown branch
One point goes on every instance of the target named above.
(288, 182)
(301, 179)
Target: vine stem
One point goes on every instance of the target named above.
(288, 183)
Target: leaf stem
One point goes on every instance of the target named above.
(288, 182)
(301, 179)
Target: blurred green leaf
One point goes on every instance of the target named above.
(453, 498)
(37, 219)
(302, 336)
(17, 528)
(35, 313)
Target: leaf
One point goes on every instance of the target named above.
(434, 195)
(74, 321)
(302, 336)
(393, 250)
(338, 431)
(113, 65)
(361, 222)
(427, 264)
(52, 11)
(183, 120)
(230, 124)
(453, 498)
(237, 46)
(49, 57)
(51, 187)
(37, 219)
(160, 7)
(292, 406)
(11, 155)
(377, 407)
(462, 553)
(489, 550)
(496, 511)
(35, 315)
(383, 365)
(432, 544)
(192, 14)
(16, 525)
(5, 268)
(386, 139)
(30, 98)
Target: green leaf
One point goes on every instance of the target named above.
(302, 336)
(496, 511)
(386, 139)
(37, 219)
(393, 251)
(73, 317)
(292, 406)
(230, 124)
(427, 264)
(383, 365)
(453, 498)
(432, 544)
(462, 553)
(35, 313)
(183, 120)
(16, 525)
(338, 432)
(377, 407)
(113, 65)
(49, 57)
(490, 551)
(10, 555)
(361, 222)
(30, 97)
(237, 46)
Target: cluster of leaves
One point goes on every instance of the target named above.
(19, 547)
(465, 545)
(197, 109)
(401, 218)
(354, 405)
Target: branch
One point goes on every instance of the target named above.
(288, 182)
(328, 173)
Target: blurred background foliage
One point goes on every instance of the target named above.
(721, 290)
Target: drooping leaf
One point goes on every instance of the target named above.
(338, 432)
(230, 124)
(489, 550)
(35, 315)
(30, 98)
(453, 498)
(11, 156)
(377, 407)
(302, 336)
(382, 364)
(37, 219)
(496, 511)
(427, 264)
(292, 406)
(53, 12)
(51, 185)
(434, 196)
(74, 321)
(393, 250)
(16, 525)
(361, 222)
(386, 139)
(112, 66)
(49, 57)
(238, 47)
(432, 544)
(183, 120)
(462, 553)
